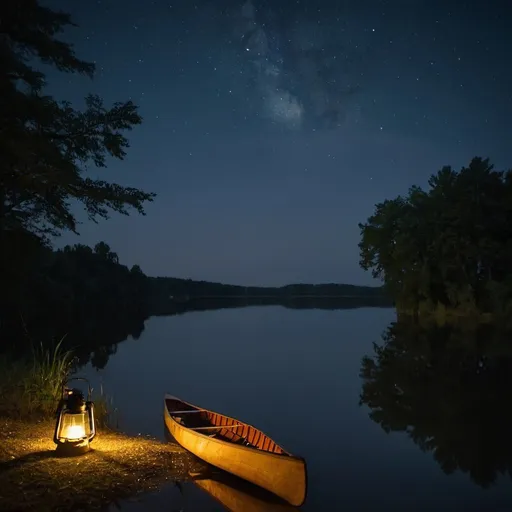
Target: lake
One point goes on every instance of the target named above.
(295, 374)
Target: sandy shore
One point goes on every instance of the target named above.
(117, 467)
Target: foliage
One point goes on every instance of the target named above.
(447, 246)
(82, 292)
(46, 145)
(31, 387)
(447, 387)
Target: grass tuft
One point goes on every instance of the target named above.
(30, 387)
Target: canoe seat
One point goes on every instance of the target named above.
(184, 412)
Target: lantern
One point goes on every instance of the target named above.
(75, 427)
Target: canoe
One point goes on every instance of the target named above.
(237, 495)
(238, 448)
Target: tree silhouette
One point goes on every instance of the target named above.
(103, 251)
(46, 145)
(447, 246)
(136, 270)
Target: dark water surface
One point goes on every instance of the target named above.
(295, 375)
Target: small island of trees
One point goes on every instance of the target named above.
(447, 250)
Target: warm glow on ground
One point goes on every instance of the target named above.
(32, 477)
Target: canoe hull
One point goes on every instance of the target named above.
(283, 475)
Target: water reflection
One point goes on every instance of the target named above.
(449, 389)
(215, 303)
(209, 490)
(296, 375)
(95, 339)
(235, 495)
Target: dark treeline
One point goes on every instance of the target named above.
(448, 388)
(447, 249)
(169, 287)
(166, 308)
(84, 293)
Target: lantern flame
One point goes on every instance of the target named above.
(73, 432)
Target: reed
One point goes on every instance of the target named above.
(105, 412)
(30, 387)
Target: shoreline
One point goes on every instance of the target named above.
(117, 467)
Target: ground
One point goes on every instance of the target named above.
(32, 477)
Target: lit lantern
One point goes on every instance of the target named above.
(75, 427)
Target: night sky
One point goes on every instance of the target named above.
(271, 128)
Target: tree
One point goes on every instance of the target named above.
(137, 271)
(447, 246)
(102, 249)
(47, 145)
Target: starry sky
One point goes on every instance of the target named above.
(271, 128)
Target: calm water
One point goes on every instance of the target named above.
(295, 375)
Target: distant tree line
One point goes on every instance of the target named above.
(447, 249)
(80, 289)
(72, 289)
(166, 288)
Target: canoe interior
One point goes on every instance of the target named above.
(228, 429)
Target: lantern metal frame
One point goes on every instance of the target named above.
(72, 402)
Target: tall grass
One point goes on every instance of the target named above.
(42, 385)
(30, 388)
(105, 412)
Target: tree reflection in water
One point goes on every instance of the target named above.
(98, 340)
(449, 388)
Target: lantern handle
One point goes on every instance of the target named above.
(89, 390)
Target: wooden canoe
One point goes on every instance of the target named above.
(237, 448)
(237, 495)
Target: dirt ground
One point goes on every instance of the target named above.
(117, 467)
